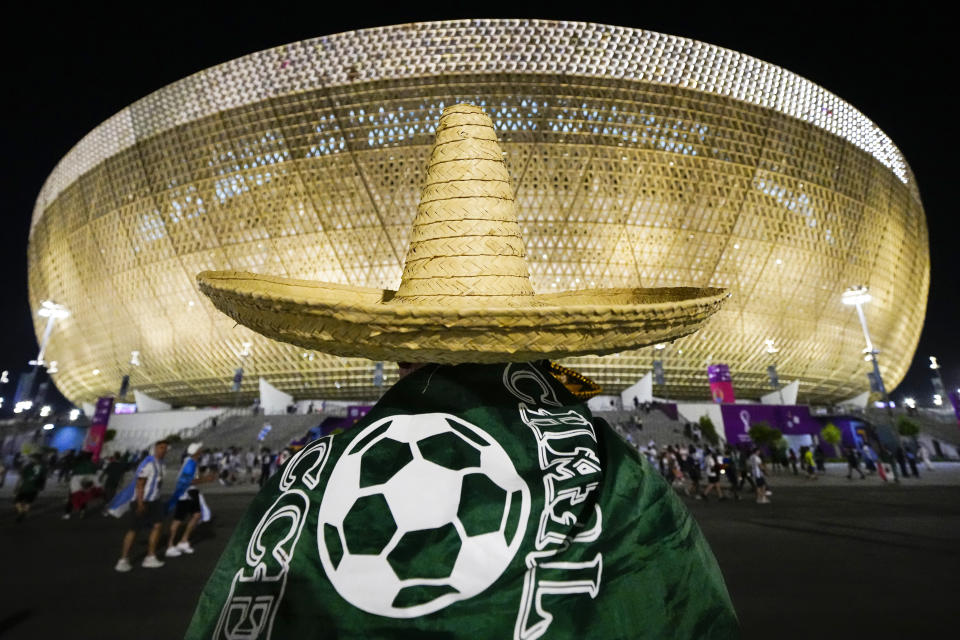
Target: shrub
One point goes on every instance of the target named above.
(763, 434)
(708, 430)
(831, 434)
(907, 427)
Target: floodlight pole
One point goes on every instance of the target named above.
(51, 311)
(938, 385)
(661, 347)
(46, 338)
(241, 359)
(772, 351)
(857, 296)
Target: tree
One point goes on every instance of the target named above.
(708, 430)
(109, 435)
(832, 436)
(907, 427)
(763, 434)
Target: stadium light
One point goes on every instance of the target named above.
(45, 411)
(660, 346)
(74, 414)
(938, 400)
(50, 309)
(857, 297)
(52, 312)
(910, 402)
(771, 349)
(48, 426)
(135, 358)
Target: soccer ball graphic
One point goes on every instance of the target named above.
(419, 512)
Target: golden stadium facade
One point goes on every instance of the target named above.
(638, 159)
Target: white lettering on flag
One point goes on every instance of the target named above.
(566, 452)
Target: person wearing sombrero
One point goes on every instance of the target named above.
(479, 497)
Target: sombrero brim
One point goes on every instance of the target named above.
(362, 322)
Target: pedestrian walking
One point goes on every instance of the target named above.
(733, 471)
(693, 472)
(808, 463)
(758, 473)
(901, 459)
(746, 476)
(84, 485)
(853, 464)
(712, 464)
(33, 478)
(251, 459)
(187, 504)
(111, 476)
(912, 463)
(869, 458)
(147, 512)
(925, 458)
(820, 459)
(266, 459)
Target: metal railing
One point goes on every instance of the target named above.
(189, 433)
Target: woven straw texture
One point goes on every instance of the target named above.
(465, 294)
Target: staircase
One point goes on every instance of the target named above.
(242, 430)
(656, 426)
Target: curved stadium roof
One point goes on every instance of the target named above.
(637, 157)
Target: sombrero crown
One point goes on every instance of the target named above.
(465, 292)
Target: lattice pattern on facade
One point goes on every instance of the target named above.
(637, 159)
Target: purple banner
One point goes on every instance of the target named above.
(721, 383)
(791, 420)
(719, 373)
(98, 427)
(955, 401)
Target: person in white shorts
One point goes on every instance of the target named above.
(759, 478)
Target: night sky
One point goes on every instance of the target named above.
(66, 70)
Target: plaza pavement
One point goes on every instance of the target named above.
(827, 558)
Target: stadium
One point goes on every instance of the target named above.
(637, 158)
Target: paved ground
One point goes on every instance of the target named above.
(831, 558)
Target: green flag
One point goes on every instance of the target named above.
(478, 501)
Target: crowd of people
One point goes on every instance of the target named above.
(143, 500)
(701, 471)
(697, 470)
(723, 471)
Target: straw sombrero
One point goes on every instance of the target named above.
(465, 293)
